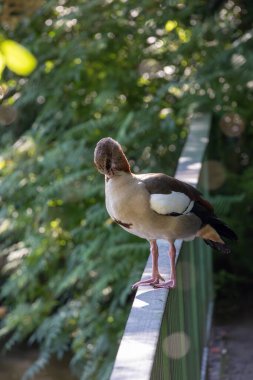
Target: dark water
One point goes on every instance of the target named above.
(13, 365)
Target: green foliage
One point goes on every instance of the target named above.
(131, 71)
(68, 270)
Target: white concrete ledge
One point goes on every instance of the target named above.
(137, 349)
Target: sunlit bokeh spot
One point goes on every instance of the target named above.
(2, 92)
(238, 60)
(8, 115)
(176, 345)
(250, 84)
(25, 144)
(232, 125)
(164, 113)
(107, 291)
(213, 175)
(149, 66)
(172, 147)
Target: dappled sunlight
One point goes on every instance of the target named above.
(4, 225)
(13, 256)
(25, 144)
(140, 303)
(2, 91)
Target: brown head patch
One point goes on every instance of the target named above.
(109, 157)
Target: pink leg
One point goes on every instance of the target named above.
(172, 282)
(155, 272)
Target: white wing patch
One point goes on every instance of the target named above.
(168, 203)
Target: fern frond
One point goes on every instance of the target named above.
(37, 366)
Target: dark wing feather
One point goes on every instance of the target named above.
(211, 219)
(159, 183)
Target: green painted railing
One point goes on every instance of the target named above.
(167, 331)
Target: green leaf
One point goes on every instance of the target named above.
(184, 34)
(2, 64)
(17, 58)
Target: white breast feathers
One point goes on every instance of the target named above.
(168, 203)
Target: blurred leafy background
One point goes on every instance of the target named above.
(136, 72)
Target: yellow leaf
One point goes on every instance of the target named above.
(170, 25)
(55, 223)
(2, 164)
(143, 81)
(17, 58)
(176, 91)
(49, 65)
(2, 64)
(5, 226)
(184, 34)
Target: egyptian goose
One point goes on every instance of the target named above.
(156, 206)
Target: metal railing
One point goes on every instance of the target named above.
(167, 330)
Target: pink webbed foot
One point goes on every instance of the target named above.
(166, 285)
(153, 281)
